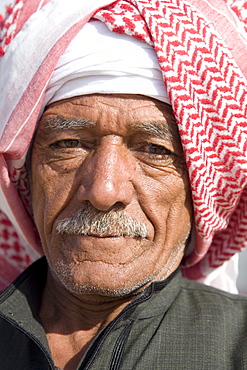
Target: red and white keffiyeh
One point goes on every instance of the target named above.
(201, 47)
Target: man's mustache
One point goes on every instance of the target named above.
(90, 221)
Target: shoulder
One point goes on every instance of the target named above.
(201, 290)
(212, 302)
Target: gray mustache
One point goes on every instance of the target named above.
(90, 221)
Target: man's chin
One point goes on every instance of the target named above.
(112, 288)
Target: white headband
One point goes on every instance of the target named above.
(101, 61)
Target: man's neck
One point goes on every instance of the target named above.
(72, 322)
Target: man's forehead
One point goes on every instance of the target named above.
(137, 112)
(121, 98)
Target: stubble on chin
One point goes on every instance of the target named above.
(69, 276)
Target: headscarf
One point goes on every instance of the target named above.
(201, 50)
(100, 61)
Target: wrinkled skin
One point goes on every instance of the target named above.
(115, 161)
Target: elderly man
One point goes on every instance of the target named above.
(122, 181)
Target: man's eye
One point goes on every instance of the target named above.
(157, 149)
(68, 143)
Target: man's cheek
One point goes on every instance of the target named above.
(177, 219)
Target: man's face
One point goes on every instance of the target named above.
(113, 164)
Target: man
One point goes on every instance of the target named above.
(119, 193)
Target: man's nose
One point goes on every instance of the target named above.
(107, 180)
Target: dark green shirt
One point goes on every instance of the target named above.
(176, 324)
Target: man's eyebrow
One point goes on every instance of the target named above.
(59, 122)
(156, 128)
(159, 129)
